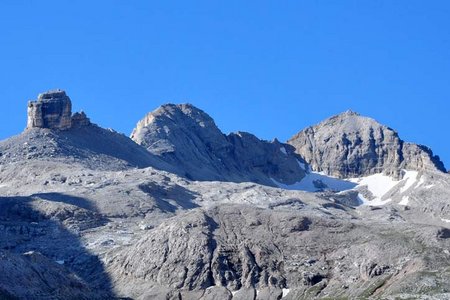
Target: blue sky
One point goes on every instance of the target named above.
(267, 67)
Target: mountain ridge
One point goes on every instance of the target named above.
(350, 145)
(186, 136)
(84, 214)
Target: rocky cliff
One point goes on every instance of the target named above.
(186, 137)
(78, 220)
(350, 145)
(53, 110)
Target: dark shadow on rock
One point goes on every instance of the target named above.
(40, 258)
(170, 197)
(68, 199)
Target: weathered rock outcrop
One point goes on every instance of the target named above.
(53, 110)
(350, 145)
(186, 137)
(80, 119)
(243, 252)
(53, 133)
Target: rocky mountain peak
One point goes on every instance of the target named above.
(349, 112)
(350, 121)
(184, 115)
(188, 138)
(53, 110)
(351, 145)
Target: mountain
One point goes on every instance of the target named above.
(349, 145)
(87, 213)
(186, 137)
(53, 133)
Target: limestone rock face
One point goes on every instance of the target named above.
(419, 157)
(80, 119)
(188, 138)
(53, 109)
(350, 145)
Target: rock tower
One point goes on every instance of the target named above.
(53, 110)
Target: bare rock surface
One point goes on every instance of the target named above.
(52, 109)
(186, 137)
(86, 213)
(91, 146)
(240, 248)
(33, 276)
(350, 145)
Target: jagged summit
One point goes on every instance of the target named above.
(175, 115)
(351, 145)
(349, 112)
(53, 110)
(54, 134)
(186, 137)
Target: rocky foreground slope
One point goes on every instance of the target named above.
(86, 213)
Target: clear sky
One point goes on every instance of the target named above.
(267, 67)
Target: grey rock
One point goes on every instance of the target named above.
(443, 233)
(52, 109)
(349, 145)
(78, 220)
(269, 294)
(215, 292)
(351, 259)
(186, 137)
(90, 145)
(33, 276)
(80, 119)
(244, 294)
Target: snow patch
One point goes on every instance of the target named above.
(282, 149)
(373, 202)
(378, 185)
(445, 220)
(285, 292)
(421, 181)
(411, 178)
(314, 182)
(405, 201)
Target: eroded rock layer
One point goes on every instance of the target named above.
(350, 145)
(188, 138)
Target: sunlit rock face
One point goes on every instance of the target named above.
(349, 145)
(188, 138)
(52, 109)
